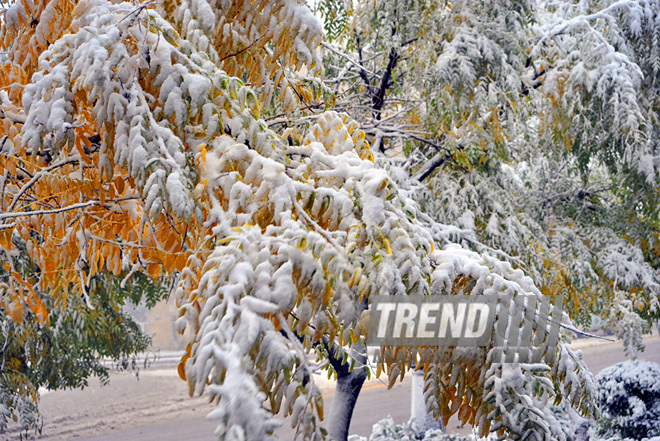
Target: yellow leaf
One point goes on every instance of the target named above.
(15, 310)
(39, 309)
(181, 368)
(319, 406)
(5, 238)
(154, 270)
(387, 246)
(119, 185)
(181, 262)
(80, 148)
(445, 418)
(17, 277)
(328, 294)
(11, 166)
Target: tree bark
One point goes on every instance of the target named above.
(347, 390)
(349, 384)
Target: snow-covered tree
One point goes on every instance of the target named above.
(188, 139)
(531, 126)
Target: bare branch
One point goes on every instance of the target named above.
(347, 58)
(378, 99)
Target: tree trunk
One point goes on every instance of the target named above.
(348, 388)
(349, 384)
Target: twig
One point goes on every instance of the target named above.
(318, 228)
(430, 166)
(349, 59)
(311, 106)
(242, 50)
(4, 216)
(119, 244)
(38, 176)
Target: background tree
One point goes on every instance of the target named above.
(128, 147)
(67, 347)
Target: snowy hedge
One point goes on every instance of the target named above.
(629, 400)
(387, 430)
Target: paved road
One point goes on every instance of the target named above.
(375, 403)
(156, 408)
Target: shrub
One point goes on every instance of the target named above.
(386, 430)
(629, 400)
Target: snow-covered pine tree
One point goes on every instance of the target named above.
(132, 143)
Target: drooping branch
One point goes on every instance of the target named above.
(606, 14)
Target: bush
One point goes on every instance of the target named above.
(386, 430)
(629, 400)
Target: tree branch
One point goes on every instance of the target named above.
(39, 175)
(242, 50)
(430, 166)
(4, 216)
(349, 59)
(16, 119)
(363, 74)
(378, 100)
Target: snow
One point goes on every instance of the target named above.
(174, 104)
(629, 397)
(15, 14)
(197, 87)
(204, 11)
(139, 160)
(177, 194)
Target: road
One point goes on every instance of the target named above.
(157, 408)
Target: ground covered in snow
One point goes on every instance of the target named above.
(156, 405)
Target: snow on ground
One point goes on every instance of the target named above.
(156, 406)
